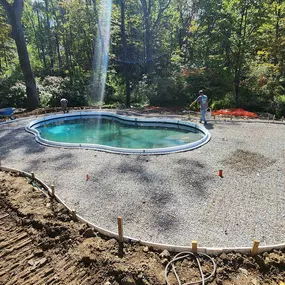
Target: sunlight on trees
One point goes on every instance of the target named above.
(161, 51)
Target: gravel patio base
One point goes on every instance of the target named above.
(173, 198)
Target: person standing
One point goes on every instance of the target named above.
(63, 103)
(202, 99)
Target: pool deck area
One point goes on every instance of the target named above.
(171, 198)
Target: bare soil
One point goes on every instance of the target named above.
(41, 244)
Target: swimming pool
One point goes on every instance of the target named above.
(115, 133)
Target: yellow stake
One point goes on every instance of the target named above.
(194, 246)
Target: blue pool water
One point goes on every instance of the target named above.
(116, 133)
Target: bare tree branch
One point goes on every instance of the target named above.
(160, 13)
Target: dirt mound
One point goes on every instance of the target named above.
(41, 244)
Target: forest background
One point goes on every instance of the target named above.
(161, 53)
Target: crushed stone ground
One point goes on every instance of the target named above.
(173, 198)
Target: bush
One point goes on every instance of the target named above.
(143, 91)
(165, 91)
(280, 107)
(226, 103)
(50, 91)
(13, 94)
(53, 88)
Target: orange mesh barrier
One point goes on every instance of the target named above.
(235, 112)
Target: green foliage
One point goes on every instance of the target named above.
(261, 88)
(227, 102)
(52, 89)
(7, 48)
(144, 90)
(115, 88)
(12, 94)
(164, 90)
(280, 106)
(234, 50)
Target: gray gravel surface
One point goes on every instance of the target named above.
(173, 198)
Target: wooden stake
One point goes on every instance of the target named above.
(120, 229)
(282, 118)
(33, 175)
(52, 190)
(194, 246)
(73, 213)
(255, 247)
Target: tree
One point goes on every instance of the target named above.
(124, 46)
(6, 47)
(152, 14)
(14, 12)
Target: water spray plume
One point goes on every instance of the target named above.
(101, 52)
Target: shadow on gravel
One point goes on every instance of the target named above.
(209, 126)
(166, 222)
(18, 139)
(65, 160)
(194, 176)
(138, 171)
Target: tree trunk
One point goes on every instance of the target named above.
(240, 53)
(57, 41)
(146, 14)
(14, 12)
(50, 44)
(41, 41)
(124, 44)
(66, 44)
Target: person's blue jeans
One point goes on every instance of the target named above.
(203, 116)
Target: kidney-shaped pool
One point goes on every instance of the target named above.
(121, 134)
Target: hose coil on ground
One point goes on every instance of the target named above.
(186, 254)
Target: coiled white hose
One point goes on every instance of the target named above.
(186, 254)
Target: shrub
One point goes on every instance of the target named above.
(280, 106)
(164, 91)
(12, 94)
(53, 88)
